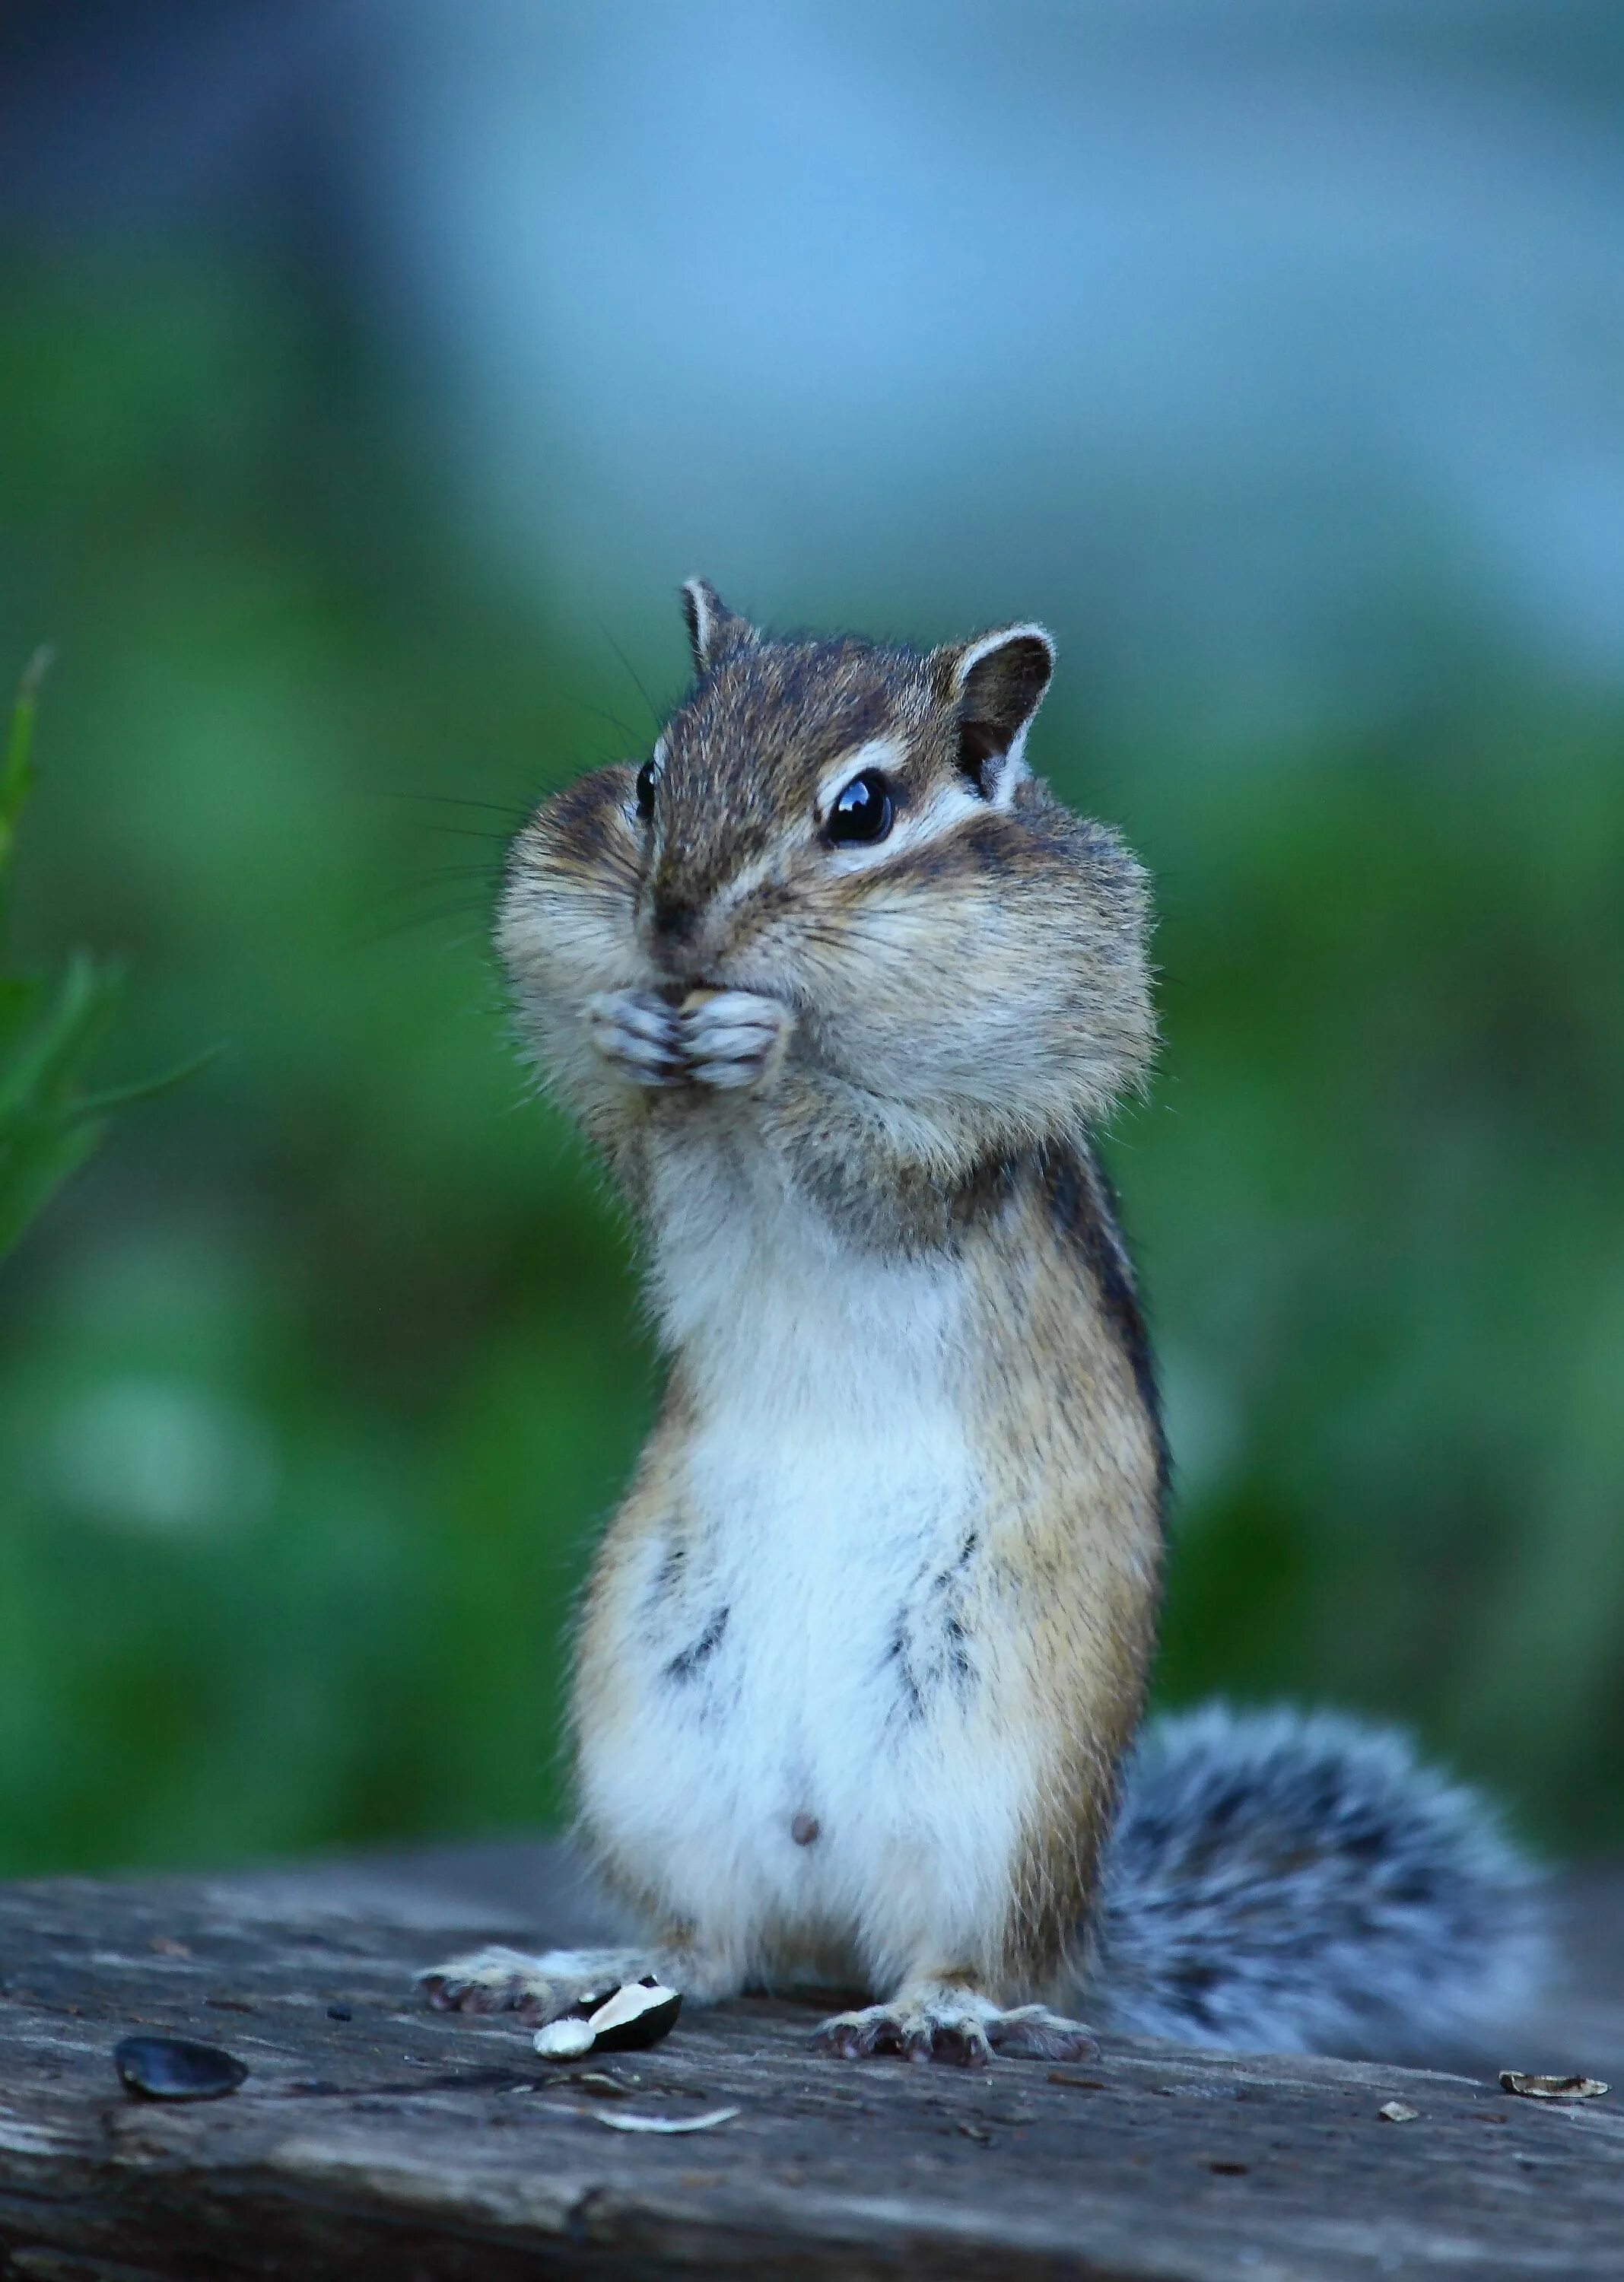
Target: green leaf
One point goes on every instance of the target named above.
(43, 1063)
(50, 1029)
(143, 1089)
(34, 1161)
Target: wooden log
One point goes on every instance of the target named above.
(374, 2138)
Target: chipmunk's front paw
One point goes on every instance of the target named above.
(733, 1038)
(534, 1988)
(953, 2025)
(638, 1035)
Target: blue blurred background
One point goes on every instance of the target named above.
(370, 373)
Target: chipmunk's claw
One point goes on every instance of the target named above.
(1032, 2032)
(726, 1040)
(955, 2026)
(534, 1988)
(638, 1035)
(914, 2032)
(733, 1038)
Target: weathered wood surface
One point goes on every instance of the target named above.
(403, 2144)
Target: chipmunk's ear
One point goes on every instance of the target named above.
(996, 683)
(712, 628)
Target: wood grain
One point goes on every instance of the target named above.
(403, 2144)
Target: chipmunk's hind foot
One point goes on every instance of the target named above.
(536, 1989)
(953, 2025)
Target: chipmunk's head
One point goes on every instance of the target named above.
(852, 828)
(840, 822)
(809, 784)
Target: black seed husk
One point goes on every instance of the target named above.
(647, 2028)
(172, 2067)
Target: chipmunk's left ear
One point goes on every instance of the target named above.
(996, 684)
(712, 628)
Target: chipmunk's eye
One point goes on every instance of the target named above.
(647, 777)
(863, 811)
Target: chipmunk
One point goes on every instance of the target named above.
(840, 990)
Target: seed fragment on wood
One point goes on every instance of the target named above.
(1551, 2087)
(175, 2068)
(569, 2039)
(668, 2123)
(635, 2017)
(1397, 2111)
(629, 2020)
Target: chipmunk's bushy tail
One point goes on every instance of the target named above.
(1285, 1882)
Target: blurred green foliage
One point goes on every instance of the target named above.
(314, 1384)
(51, 1025)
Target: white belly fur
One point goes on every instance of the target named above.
(832, 1481)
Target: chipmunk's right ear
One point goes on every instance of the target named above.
(995, 683)
(712, 628)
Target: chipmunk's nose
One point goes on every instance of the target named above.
(673, 919)
(674, 929)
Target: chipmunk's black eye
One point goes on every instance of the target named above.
(863, 811)
(647, 777)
